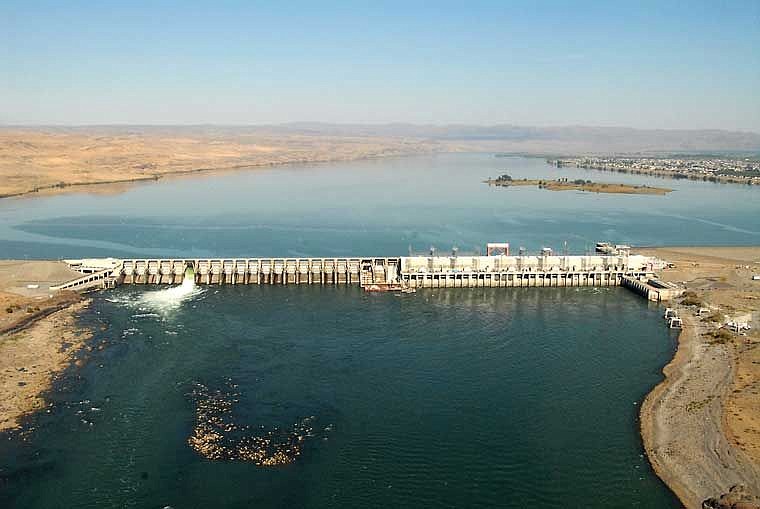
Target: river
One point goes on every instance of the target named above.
(443, 398)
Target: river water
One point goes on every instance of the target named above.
(463, 397)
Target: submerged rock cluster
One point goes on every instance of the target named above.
(217, 437)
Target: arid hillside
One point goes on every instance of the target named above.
(50, 159)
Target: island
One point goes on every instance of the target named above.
(564, 184)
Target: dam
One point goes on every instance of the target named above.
(492, 270)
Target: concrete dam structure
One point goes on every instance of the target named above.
(543, 270)
(325, 271)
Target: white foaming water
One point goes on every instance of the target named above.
(171, 298)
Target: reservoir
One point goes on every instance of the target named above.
(372, 208)
(511, 397)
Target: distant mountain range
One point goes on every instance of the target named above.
(543, 139)
(507, 138)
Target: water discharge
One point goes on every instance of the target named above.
(171, 298)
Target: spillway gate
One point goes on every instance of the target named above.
(325, 271)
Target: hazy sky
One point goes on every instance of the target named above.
(664, 64)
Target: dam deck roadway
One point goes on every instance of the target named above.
(412, 272)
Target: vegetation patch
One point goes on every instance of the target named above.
(695, 406)
(691, 298)
(720, 337)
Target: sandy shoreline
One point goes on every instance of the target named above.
(114, 186)
(39, 334)
(686, 424)
(682, 423)
(32, 357)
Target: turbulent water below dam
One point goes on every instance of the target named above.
(311, 396)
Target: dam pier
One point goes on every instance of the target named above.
(495, 270)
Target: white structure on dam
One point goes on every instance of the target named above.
(525, 270)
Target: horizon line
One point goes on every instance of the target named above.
(374, 124)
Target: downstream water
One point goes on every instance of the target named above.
(463, 397)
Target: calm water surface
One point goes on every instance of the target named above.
(469, 397)
(379, 207)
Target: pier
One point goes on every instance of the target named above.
(494, 271)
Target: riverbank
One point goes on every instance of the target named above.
(701, 424)
(34, 161)
(32, 357)
(39, 336)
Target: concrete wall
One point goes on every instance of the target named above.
(574, 263)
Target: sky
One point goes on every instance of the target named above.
(689, 64)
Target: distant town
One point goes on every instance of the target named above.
(712, 169)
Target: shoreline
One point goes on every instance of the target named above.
(39, 163)
(672, 174)
(61, 188)
(39, 334)
(650, 410)
(29, 321)
(33, 356)
(684, 419)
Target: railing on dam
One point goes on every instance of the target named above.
(100, 279)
